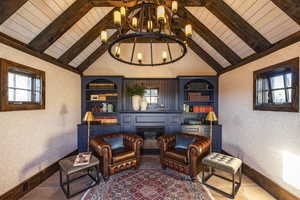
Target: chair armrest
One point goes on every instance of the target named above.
(166, 141)
(134, 141)
(102, 148)
(199, 147)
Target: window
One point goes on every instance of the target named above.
(277, 87)
(22, 87)
(151, 95)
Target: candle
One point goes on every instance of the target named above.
(160, 12)
(103, 36)
(117, 18)
(134, 22)
(117, 51)
(140, 57)
(164, 56)
(174, 6)
(123, 11)
(150, 25)
(188, 30)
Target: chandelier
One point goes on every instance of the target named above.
(145, 34)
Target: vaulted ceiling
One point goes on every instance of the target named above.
(227, 33)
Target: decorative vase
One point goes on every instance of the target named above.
(144, 105)
(136, 102)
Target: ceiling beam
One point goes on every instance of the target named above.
(210, 37)
(238, 25)
(290, 7)
(275, 47)
(60, 25)
(7, 40)
(9, 7)
(96, 54)
(87, 39)
(131, 3)
(200, 52)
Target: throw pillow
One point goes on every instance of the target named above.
(184, 142)
(115, 142)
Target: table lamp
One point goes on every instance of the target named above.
(211, 116)
(89, 117)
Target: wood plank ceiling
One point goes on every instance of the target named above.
(227, 33)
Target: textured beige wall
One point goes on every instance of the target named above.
(32, 140)
(190, 65)
(267, 141)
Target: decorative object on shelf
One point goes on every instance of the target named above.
(89, 117)
(144, 104)
(136, 92)
(151, 22)
(211, 116)
(198, 96)
(102, 86)
(110, 107)
(106, 119)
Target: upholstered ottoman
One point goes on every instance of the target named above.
(224, 163)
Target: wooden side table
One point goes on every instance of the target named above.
(66, 167)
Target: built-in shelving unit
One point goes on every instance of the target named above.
(174, 93)
(199, 96)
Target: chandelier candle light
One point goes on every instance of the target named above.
(148, 25)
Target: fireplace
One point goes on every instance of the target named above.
(150, 135)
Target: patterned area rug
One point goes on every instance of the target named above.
(149, 182)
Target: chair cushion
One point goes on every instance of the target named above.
(183, 142)
(223, 162)
(115, 142)
(177, 154)
(122, 154)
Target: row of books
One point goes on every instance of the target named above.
(102, 86)
(197, 96)
(102, 97)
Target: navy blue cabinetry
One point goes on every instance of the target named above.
(174, 93)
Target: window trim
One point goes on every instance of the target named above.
(293, 65)
(5, 105)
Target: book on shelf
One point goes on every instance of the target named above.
(82, 159)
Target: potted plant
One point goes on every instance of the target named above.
(136, 92)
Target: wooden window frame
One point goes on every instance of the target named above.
(293, 66)
(5, 105)
(153, 96)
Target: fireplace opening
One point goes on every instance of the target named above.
(150, 135)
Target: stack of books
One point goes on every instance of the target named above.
(82, 159)
(197, 96)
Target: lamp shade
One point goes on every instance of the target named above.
(89, 117)
(211, 116)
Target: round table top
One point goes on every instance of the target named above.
(66, 164)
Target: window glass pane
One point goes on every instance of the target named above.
(148, 99)
(154, 99)
(259, 84)
(37, 97)
(23, 95)
(265, 97)
(23, 82)
(265, 84)
(154, 92)
(288, 80)
(259, 98)
(277, 82)
(11, 95)
(289, 95)
(147, 93)
(11, 82)
(37, 84)
(278, 96)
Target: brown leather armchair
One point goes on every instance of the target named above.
(112, 162)
(185, 161)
